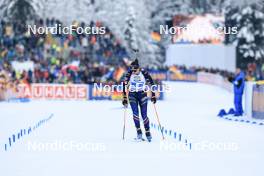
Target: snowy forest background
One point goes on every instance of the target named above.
(132, 21)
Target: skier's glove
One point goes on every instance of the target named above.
(124, 102)
(230, 79)
(153, 99)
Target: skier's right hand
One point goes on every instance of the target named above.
(153, 99)
(124, 102)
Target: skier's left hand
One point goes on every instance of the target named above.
(153, 99)
(124, 102)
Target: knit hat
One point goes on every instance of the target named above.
(134, 64)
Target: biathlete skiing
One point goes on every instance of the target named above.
(135, 91)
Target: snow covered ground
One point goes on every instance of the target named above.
(91, 133)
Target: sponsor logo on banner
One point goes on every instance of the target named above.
(156, 75)
(54, 91)
(170, 76)
(182, 77)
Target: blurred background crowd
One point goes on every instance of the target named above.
(78, 58)
(75, 58)
(58, 58)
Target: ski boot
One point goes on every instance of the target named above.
(148, 135)
(139, 136)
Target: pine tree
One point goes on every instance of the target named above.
(46, 8)
(18, 10)
(165, 10)
(131, 23)
(130, 31)
(250, 37)
(230, 22)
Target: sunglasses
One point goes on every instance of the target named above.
(134, 69)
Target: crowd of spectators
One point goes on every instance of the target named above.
(53, 54)
(74, 58)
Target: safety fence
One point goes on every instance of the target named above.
(20, 133)
(214, 79)
(172, 134)
(253, 93)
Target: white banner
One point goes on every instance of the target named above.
(202, 55)
(214, 79)
(22, 66)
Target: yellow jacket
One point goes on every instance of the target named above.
(260, 82)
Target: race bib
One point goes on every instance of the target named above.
(137, 82)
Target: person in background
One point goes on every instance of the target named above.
(239, 84)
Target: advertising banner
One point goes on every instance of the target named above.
(54, 91)
(173, 76)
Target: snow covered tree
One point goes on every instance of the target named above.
(165, 10)
(66, 11)
(162, 13)
(18, 10)
(46, 8)
(131, 23)
(230, 22)
(250, 36)
(130, 31)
